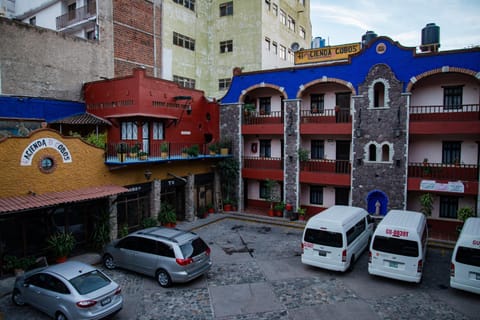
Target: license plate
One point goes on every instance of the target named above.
(393, 264)
(322, 253)
(106, 301)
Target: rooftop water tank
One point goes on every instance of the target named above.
(430, 37)
(318, 42)
(367, 37)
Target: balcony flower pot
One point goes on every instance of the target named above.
(143, 155)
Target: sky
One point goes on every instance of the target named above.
(346, 21)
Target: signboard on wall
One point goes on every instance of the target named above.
(432, 185)
(329, 53)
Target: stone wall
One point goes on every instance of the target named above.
(380, 126)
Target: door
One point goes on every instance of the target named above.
(342, 100)
(145, 137)
(342, 156)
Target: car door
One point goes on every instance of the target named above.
(126, 252)
(146, 257)
(45, 292)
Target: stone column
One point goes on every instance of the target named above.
(189, 198)
(291, 164)
(112, 209)
(155, 200)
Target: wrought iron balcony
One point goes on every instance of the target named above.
(441, 171)
(80, 14)
(466, 112)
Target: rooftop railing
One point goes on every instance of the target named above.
(465, 112)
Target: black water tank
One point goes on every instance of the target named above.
(367, 37)
(430, 37)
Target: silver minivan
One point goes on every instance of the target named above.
(168, 254)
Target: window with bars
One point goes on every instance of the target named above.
(316, 195)
(265, 148)
(265, 105)
(223, 84)
(226, 9)
(448, 207)
(283, 17)
(184, 82)
(317, 103)
(190, 4)
(452, 97)
(275, 48)
(183, 41)
(291, 23)
(267, 43)
(317, 149)
(451, 151)
(129, 131)
(226, 46)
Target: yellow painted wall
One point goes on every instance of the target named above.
(87, 168)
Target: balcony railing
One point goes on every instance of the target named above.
(80, 14)
(464, 172)
(175, 151)
(263, 163)
(273, 117)
(466, 112)
(332, 166)
(325, 116)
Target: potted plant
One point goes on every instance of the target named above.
(142, 155)
(228, 171)
(62, 243)
(149, 222)
(167, 215)
(122, 150)
(210, 208)
(134, 150)
(426, 203)
(279, 207)
(18, 265)
(202, 212)
(463, 214)
(225, 145)
(184, 152)
(213, 148)
(249, 108)
(271, 194)
(164, 150)
(193, 151)
(227, 205)
(301, 213)
(302, 155)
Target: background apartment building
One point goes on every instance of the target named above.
(194, 43)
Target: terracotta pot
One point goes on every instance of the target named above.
(278, 213)
(271, 213)
(227, 207)
(211, 210)
(61, 259)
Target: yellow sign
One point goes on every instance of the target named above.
(326, 53)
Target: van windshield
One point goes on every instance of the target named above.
(401, 247)
(325, 238)
(470, 256)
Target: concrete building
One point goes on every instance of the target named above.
(197, 44)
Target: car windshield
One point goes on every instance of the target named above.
(90, 282)
(193, 248)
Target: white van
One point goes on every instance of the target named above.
(465, 266)
(335, 238)
(399, 246)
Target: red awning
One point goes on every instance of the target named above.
(35, 201)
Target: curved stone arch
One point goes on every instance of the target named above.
(443, 69)
(324, 79)
(262, 85)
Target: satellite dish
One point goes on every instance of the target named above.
(295, 46)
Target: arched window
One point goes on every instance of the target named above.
(385, 152)
(379, 95)
(372, 152)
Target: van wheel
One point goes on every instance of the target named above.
(163, 278)
(352, 260)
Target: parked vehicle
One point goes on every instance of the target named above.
(399, 246)
(69, 290)
(168, 254)
(465, 266)
(335, 238)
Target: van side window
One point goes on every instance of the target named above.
(470, 256)
(165, 250)
(355, 231)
